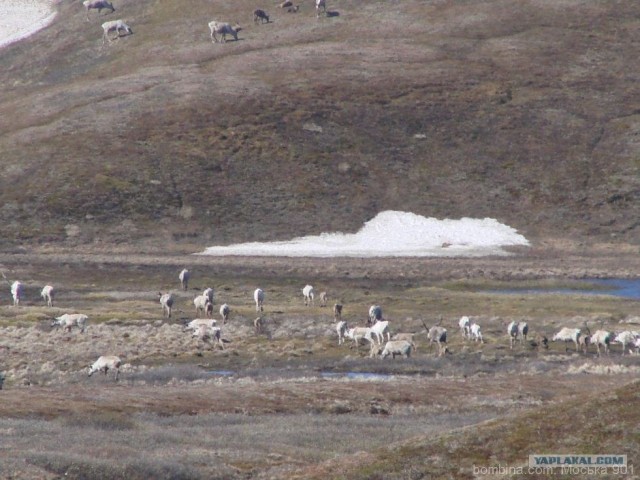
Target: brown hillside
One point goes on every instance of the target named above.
(524, 111)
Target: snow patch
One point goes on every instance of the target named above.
(392, 234)
(22, 18)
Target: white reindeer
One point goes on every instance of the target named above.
(324, 297)
(47, 295)
(625, 338)
(341, 328)
(309, 295)
(258, 324)
(602, 338)
(70, 320)
(476, 333)
(517, 331)
(359, 333)
(106, 363)
(208, 292)
(379, 329)
(375, 314)
(409, 337)
(114, 26)
(225, 311)
(258, 297)
(166, 301)
(97, 5)
(223, 29)
(438, 335)
(184, 276)
(465, 325)
(397, 347)
(206, 333)
(566, 335)
(17, 292)
(200, 302)
(198, 322)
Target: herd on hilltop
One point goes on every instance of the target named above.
(217, 28)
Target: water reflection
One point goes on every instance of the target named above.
(618, 287)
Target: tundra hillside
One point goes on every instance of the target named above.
(522, 110)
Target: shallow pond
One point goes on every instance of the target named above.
(619, 287)
(357, 375)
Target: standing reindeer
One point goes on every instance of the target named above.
(437, 334)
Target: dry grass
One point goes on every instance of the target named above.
(162, 142)
(506, 97)
(289, 402)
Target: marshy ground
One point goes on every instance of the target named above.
(291, 402)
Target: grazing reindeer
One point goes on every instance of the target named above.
(341, 329)
(114, 26)
(258, 325)
(258, 297)
(106, 363)
(309, 295)
(184, 278)
(323, 299)
(337, 312)
(223, 29)
(568, 335)
(97, 5)
(437, 334)
(225, 311)
(260, 16)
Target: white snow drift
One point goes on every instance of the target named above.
(393, 234)
(21, 18)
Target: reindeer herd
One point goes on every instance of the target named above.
(218, 30)
(376, 332)
(516, 331)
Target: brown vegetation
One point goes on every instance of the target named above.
(523, 111)
(290, 402)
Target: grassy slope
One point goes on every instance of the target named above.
(528, 109)
(594, 426)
